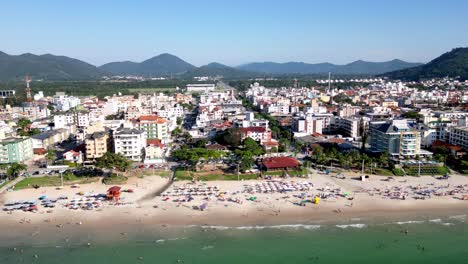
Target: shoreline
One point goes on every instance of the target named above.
(157, 216)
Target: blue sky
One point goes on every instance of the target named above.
(235, 31)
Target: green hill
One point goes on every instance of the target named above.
(450, 64)
(47, 66)
(161, 65)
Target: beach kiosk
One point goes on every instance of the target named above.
(113, 193)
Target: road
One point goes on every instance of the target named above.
(11, 184)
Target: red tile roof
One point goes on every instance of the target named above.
(442, 144)
(280, 162)
(157, 119)
(154, 142)
(253, 129)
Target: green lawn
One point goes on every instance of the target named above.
(426, 170)
(292, 173)
(182, 174)
(53, 181)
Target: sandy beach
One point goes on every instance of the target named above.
(369, 200)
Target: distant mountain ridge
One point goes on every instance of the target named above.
(51, 67)
(452, 64)
(161, 65)
(217, 69)
(356, 67)
(47, 66)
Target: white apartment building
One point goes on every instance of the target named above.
(459, 136)
(307, 126)
(64, 102)
(130, 143)
(200, 87)
(281, 109)
(350, 126)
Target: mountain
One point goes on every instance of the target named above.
(357, 67)
(47, 66)
(217, 69)
(161, 65)
(453, 63)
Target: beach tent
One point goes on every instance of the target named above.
(113, 193)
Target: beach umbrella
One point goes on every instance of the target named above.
(202, 206)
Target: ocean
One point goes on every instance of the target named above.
(418, 241)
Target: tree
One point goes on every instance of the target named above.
(51, 155)
(176, 132)
(201, 143)
(14, 170)
(179, 121)
(230, 137)
(412, 115)
(114, 160)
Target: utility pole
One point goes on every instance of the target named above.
(363, 166)
(61, 178)
(419, 168)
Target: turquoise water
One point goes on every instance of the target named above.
(437, 241)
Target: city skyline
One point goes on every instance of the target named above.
(235, 33)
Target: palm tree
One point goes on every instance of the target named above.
(14, 170)
(50, 155)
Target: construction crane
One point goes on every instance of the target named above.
(28, 90)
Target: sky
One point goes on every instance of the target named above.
(234, 32)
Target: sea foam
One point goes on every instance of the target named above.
(352, 226)
(259, 227)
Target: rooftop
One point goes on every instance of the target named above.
(280, 162)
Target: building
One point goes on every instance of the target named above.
(64, 102)
(51, 138)
(396, 138)
(459, 136)
(15, 150)
(130, 143)
(155, 127)
(154, 151)
(307, 126)
(207, 87)
(73, 156)
(97, 144)
(260, 134)
(349, 126)
(280, 163)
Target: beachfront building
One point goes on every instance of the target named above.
(15, 150)
(396, 138)
(97, 144)
(130, 143)
(280, 163)
(156, 127)
(459, 136)
(350, 126)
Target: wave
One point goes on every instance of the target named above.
(351, 226)
(409, 222)
(458, 217)
(258, 227)
(438, 220)
(207, 247)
